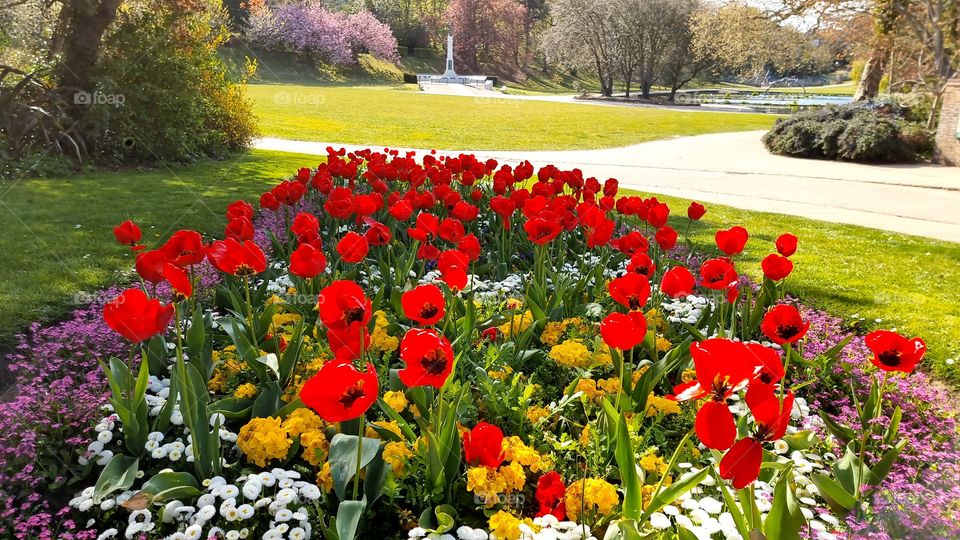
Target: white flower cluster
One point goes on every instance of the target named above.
(96, 449)
(685, 310)
(547, 527)
(277, 499)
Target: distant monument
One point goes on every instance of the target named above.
(450, 74)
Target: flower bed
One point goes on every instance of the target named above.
(449, 348)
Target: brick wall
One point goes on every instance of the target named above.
(948, 133)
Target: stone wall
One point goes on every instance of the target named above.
(948, 134)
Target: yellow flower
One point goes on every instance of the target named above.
(590, 495)
(571, 353)
(656, 320)
(657, 405)
(551, 333)
(397, 455)
(585, 436)
(396, 400)
(500, 375)
(218, 382)
(514, 450)
(302, 420)
(263, 439)
(315, 447)
(653, 463)
(324, 478)
(609, 386)
(536, 414)
(247, 390)
(688, 375)
(505, 526)
(663, 344)
(517, 324)
(646, 495)
(380, 340)
(589, 388)
(513, 476)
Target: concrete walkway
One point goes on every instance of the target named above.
(735, 169)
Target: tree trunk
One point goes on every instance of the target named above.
(89, 20)
(869, 85)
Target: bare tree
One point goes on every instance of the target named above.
(582, 36)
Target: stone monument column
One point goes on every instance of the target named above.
(449, 72)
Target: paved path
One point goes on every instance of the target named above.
(734, 169)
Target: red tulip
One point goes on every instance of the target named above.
(240, 229)
(185, 248)
(179, 280)
(696, 211)
(783, 324)
(353, 247)
(238, 209)
(338, 392)
(550, 495)
(451, 230)
(786, 244)
(424, 304)
(600, 235)
(135, 317)
(776, 267)
(237, 258)
(893, 352)
(428, 358)
(642, 264)
(666, 238)
(268, 201)
(631, 291)
(504, 208)
(349, 343)
(677, 282)
(305, 225)
(128, 234)
(401, 211)
(149, 264)
(307, 261)
(657, 215)
(623, 331)
(732, 241)
(483, 445)
(470, 245)
(718, 274)
(741, 464)
(631, 243)
(343, 304)
(723, 367)
(453, 266)
(541, 231)
(378, 234)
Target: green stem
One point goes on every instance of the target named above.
(864, 439)
(786, 365)
(356, 475)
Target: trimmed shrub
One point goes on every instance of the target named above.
(855, 132)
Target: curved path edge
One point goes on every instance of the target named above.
(736, 170)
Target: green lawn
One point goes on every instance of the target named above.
(842, 89)
(58, 241)
(386, 116)
(57, 232)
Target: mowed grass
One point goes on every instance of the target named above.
(906, 282)
(57, 236)
(389, 116)
(872, 278)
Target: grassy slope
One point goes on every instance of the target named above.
(57, 232)
(385, 116)
(907, 282)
